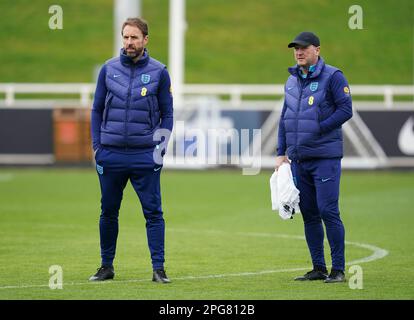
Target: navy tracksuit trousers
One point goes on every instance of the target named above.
(318, 183)
(114, 170)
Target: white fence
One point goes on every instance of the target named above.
(234, 91)
(207, 106)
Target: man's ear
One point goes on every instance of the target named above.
(146, 40)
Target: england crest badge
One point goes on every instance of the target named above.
(313, 86)
(145, 78)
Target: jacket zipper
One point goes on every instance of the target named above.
(127, 106)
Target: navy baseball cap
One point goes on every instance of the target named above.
(305, 39)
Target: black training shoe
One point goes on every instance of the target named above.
(335, 276)
(160, 276)
(313, 275)
(104, 273)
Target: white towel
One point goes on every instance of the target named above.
(284, 194)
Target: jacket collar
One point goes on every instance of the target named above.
(295, 70)
(127, 60)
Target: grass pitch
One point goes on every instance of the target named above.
(222, 239)
(232, 41)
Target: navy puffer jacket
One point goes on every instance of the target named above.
(131, 114)
(306, 106)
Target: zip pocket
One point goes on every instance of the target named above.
(106, 110)
(150, 111)
(319, 113)
(155, 110)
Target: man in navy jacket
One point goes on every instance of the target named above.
(317, 103)
(132, 102)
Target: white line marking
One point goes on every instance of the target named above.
(378, 253)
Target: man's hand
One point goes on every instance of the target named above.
(280, 160)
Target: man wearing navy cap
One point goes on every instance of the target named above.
(317, 103)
